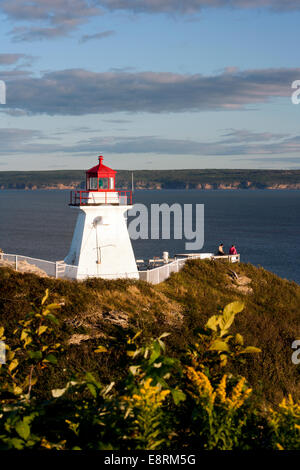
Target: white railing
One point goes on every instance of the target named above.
(160, 274)
(60, 270)
(37, 266)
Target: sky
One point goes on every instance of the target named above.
(149, 84)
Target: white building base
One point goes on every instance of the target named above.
(101, 246)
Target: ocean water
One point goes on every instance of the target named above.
(264, 225)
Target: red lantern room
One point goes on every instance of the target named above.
(100, 189)
(100, 178)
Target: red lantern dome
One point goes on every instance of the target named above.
(100, 177)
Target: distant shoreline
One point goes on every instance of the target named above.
(253, 188)
(206, 179)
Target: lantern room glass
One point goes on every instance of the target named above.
(95, 183)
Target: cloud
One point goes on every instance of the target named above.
(53, 18)
(79, 92)
(274, 144)
(49, 19)
(194, 6)
(37, 34)
(13, 59)
(243, 135)
(12, 139)
(29, 141)
(101, 35)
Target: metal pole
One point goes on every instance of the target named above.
(16, 263)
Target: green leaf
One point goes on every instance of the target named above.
(234, 308)
(17, 390)
(239, 339)
(164, 335)
(219, 345)
(14, 363)
(250, 350)
(24, 335)
(212, 323)
(52, 318)
(23, 429)
(51, 358)
(226, 322)
(45, 297)
(92, 389)
(91, 379)
(35, 354)
(42, 329)
(17, 443)
(178, 396)
(155, 352)
(100, 349)
(53, 306)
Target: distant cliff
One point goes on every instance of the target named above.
(158, 179)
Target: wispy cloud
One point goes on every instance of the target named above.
(49, 19)
(20, 141)
(101, 35)
(194, 6)
(15, 59)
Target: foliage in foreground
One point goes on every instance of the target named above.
(161, 403)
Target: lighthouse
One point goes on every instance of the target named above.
(101, 246)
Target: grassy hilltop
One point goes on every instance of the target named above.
(97, 320)
(96, 310)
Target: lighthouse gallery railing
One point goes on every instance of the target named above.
(110, 196)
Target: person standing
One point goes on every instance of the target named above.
(221, 250)
(232, 250)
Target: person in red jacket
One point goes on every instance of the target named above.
(232, 250)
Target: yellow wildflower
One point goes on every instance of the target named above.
(201, 384)
(148, 395)
(238, 396)
(221, 389)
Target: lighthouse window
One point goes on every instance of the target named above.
(93, 183)
(111, 183)
(103, 183)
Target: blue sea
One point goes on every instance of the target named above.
(264, 225)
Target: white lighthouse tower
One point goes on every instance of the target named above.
(101, 246)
